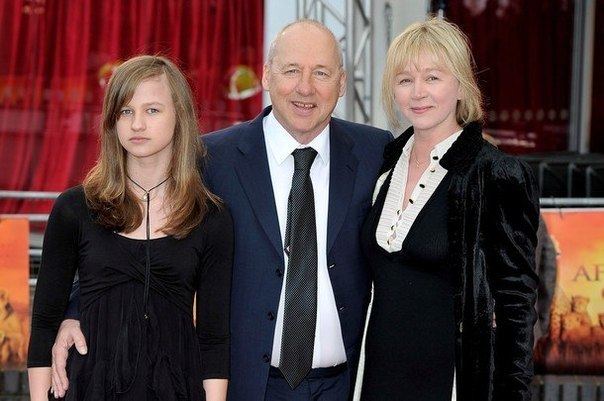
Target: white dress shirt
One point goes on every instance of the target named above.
(329, 344)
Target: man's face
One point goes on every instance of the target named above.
(304, 80)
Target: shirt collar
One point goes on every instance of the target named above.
(282, 144)
(442, 147)
(439, 150)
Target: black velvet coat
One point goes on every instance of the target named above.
(493, 218)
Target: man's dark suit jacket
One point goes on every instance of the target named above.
(237, 170)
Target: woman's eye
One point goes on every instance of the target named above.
(152, 111)
(432, 78)
(125, 112)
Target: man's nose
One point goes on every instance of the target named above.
(305, 85)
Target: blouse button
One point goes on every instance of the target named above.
(432, 170)
(411, 201)
(434, 157)
(422, 186)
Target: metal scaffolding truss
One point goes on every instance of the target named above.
(351, 22)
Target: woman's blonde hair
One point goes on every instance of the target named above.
(450, 46)
(107, 192)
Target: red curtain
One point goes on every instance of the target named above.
(523, 51)
(56, 56)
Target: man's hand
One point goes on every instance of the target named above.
(68, 335)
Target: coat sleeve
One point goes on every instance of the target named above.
(59, 265)
(511, 234)
(214, 295)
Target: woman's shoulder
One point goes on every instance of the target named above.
(217, 214)
(69, 209)
(394, 149)
(216, 219)
(73, 199)
(502, 165)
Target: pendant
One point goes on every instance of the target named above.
(145, 196)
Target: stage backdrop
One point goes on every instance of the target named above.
(575, 341)
(57, 55)
(523, 51)
(14, 293)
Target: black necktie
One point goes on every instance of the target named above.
(300, 310)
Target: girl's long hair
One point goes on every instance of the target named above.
(107, 193)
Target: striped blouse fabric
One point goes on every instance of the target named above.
(395, 222)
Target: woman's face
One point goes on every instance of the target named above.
(145, 126)
(426, 93)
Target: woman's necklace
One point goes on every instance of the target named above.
(416, 160)
(146, 193)
(147, 200)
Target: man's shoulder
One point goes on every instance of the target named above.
(364, 135)
(225, 136)
(361, 129)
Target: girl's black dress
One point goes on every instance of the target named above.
(410, 343)
(139, 347)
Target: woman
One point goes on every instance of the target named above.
(145, 236)
(450, 238)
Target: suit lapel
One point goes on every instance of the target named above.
(255, 178)
(342, 174)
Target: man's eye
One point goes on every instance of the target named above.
(291, 71)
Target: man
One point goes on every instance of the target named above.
(298, 183)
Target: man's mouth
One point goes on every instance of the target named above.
(304, 105)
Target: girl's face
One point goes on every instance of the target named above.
(145, 126)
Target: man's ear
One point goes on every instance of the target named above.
(342, 83)
(266, 70)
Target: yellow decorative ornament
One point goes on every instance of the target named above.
(242, 83)
(106, 71)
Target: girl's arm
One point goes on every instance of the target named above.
(59, 262)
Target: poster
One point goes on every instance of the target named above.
(574, 343)
(14, 293)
